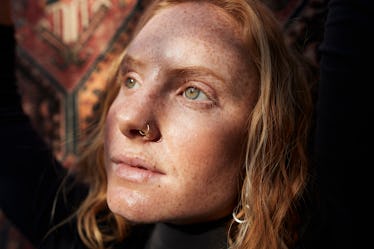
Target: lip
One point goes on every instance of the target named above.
(135, 169)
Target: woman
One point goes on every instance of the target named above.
(203, 133)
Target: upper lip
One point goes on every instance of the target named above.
(136, 161)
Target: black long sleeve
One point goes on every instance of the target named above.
(29, 174)
(344, 128)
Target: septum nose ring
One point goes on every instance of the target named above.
(146, 132)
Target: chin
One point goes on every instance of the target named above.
(132, 206)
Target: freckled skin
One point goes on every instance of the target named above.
(199, 146)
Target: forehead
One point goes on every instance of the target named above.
(190, 26)
(199, 18)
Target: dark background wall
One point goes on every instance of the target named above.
(64, 51)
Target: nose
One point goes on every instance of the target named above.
(137, 118)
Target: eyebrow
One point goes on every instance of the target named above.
(194, 71)
(131, 61)
(182, 72)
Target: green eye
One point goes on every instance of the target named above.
(130, 82)
(193, 93)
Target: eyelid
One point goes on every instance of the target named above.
(131, 75)
(202, 96)
(203, 87)
(127, 69)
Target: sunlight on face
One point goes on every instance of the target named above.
(185, 74)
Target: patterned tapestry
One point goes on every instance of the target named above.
(64, 51)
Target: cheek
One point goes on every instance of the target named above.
(109, 128)
(111, 136)
(207, 161)
(207, 149)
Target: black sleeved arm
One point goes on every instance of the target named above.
(29, 174)
(344, 128)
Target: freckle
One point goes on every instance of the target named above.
(159, 186)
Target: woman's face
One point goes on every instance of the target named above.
(185, 74)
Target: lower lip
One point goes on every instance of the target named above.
(135, 174)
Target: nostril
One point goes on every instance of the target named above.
(134, 132)
(149, 132)
(152, 137)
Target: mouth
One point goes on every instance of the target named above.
(135, 169)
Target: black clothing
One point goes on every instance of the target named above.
(31, 177)
(344, 126)
(208, 235)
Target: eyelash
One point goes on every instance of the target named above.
(209, 100)
(130, 80)
(127, 77)
(192, 90)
